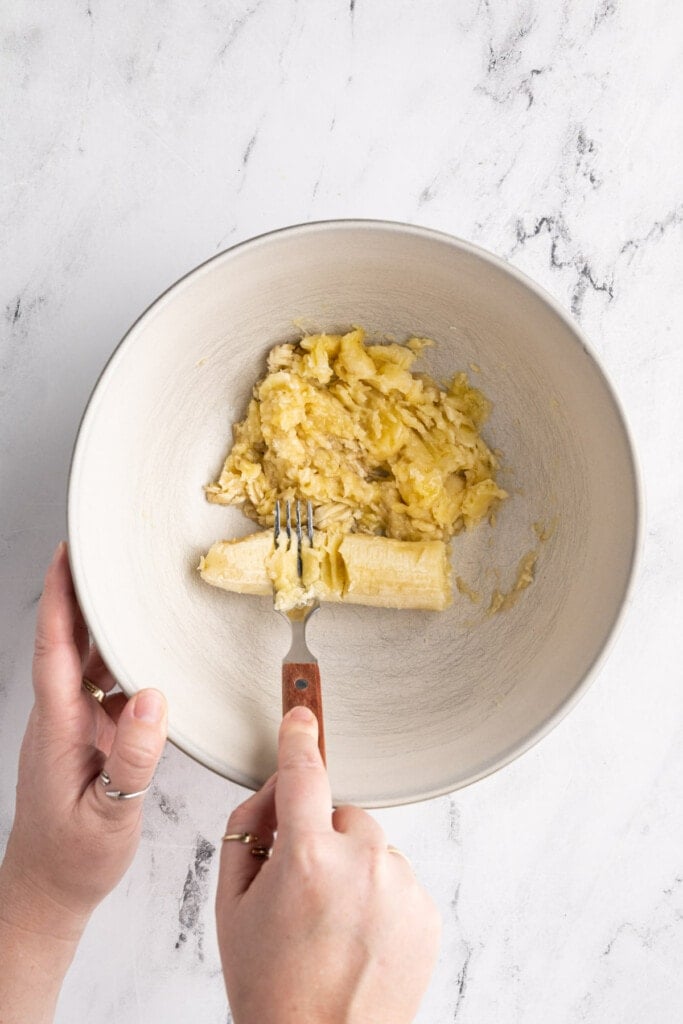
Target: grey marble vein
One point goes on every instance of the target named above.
(670, 221)
(195, 895)
(564, 255)
(461, 986)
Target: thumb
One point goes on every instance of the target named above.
(302, 798)
(138, 744)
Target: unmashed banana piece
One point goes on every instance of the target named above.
(377, 448)
(354, 568)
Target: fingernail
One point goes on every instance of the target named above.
(301, 714)
(269, 783)
(149, 706)
(59, 551)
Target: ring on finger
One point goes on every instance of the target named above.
(262, 852)
(240, 837)
(116, 794)
(93, 689)
(257, 850)
(400, 853)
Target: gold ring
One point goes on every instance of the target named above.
(262, 852)
(400, 853)
(93, 689)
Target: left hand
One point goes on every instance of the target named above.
(70, 843)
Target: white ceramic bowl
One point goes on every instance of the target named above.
(416, 703)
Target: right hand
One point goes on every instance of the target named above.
(333, 928)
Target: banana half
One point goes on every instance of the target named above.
(353, 568)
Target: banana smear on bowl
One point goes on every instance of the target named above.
(393, 463)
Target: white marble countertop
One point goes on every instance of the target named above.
(140, 138)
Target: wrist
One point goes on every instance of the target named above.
(37, 950)
(28, 907)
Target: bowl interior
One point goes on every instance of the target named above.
(416, 703)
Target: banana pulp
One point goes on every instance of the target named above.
(393, 463)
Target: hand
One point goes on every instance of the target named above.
(333, 928)
(70, 843)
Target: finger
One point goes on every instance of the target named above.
(105, 715)
(256, 816)
(114, 705)
(97, 670)
(302, 795)
(61, 637)
(135, 752)
(105, 724)
(357, 823)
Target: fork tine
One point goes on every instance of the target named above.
(309, 521)
(299, 559)
(289, 518)
(276, 530)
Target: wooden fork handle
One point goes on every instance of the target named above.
(301, 686)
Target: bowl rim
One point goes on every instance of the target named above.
(515, 750)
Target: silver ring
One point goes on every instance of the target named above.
(116, 794)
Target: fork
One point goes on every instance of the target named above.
(300, 671)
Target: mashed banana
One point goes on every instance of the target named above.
(376, 447)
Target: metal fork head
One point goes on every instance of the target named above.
(297, 617)
(296, 527)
